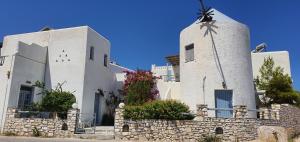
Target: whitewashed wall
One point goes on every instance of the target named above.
(67, 62)
(201, 77)
(96, 75)
(26, 64)
(281, 58)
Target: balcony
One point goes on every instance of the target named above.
(2, 59)
(170, 78)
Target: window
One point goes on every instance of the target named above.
(2, 58)
(105, 60)
(189, 53)
(92, 53)
(25, 97)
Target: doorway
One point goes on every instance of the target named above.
(25, 97)
(97, 107)
(223, 103)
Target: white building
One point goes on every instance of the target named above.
(214, 67)
(78, 57)
(281, 59)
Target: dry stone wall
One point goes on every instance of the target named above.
(230, 129)
(46, 127)
(289, 117)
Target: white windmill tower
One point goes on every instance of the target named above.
(215, 63)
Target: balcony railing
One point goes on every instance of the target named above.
(2, 59)
(170, 78)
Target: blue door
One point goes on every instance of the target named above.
(97, 108)
(223, 101)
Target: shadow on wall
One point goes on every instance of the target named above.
(47, 76)
(210, 26)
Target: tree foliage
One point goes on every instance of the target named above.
(139, 87)
(55, 100)
(277, 85)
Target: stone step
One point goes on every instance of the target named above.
(95, 136)
(104, 130)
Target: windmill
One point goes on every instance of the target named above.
(205, 14)
(205, 17)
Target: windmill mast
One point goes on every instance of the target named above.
(205, 14)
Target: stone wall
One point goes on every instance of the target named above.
(238, 128)
(289, 117)
(46, 127)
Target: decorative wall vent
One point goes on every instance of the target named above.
(63, 57)
(219, 131)
(125, 128)
(64, 127)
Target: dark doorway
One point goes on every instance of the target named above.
(99, 100)
(97, 108)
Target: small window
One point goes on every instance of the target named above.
(92, 53)
(189, 53)
(105, 60)
(2, 59)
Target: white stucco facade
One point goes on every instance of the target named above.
(58, 56)
(221, 60)
(281, 59)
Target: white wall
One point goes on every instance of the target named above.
(281, 58)
(96, 75)
(201, 77)
(66, 60)
(119, 77)
(26, 64)
(169, 90)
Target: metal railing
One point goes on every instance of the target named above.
(222, 112)
(86, 123)
(170, 78)
(229, 113)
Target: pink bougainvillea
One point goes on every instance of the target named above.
(140, 86)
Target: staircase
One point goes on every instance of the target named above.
(101, 133)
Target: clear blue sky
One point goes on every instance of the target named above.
(143, 32)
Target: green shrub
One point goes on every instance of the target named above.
(169, 110)
(54, 100)
(57, 101)
(210, 138)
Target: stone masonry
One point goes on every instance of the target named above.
(237, 128)
(46, 127)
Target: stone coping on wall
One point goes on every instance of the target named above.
(238, 128)
(46, 127)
